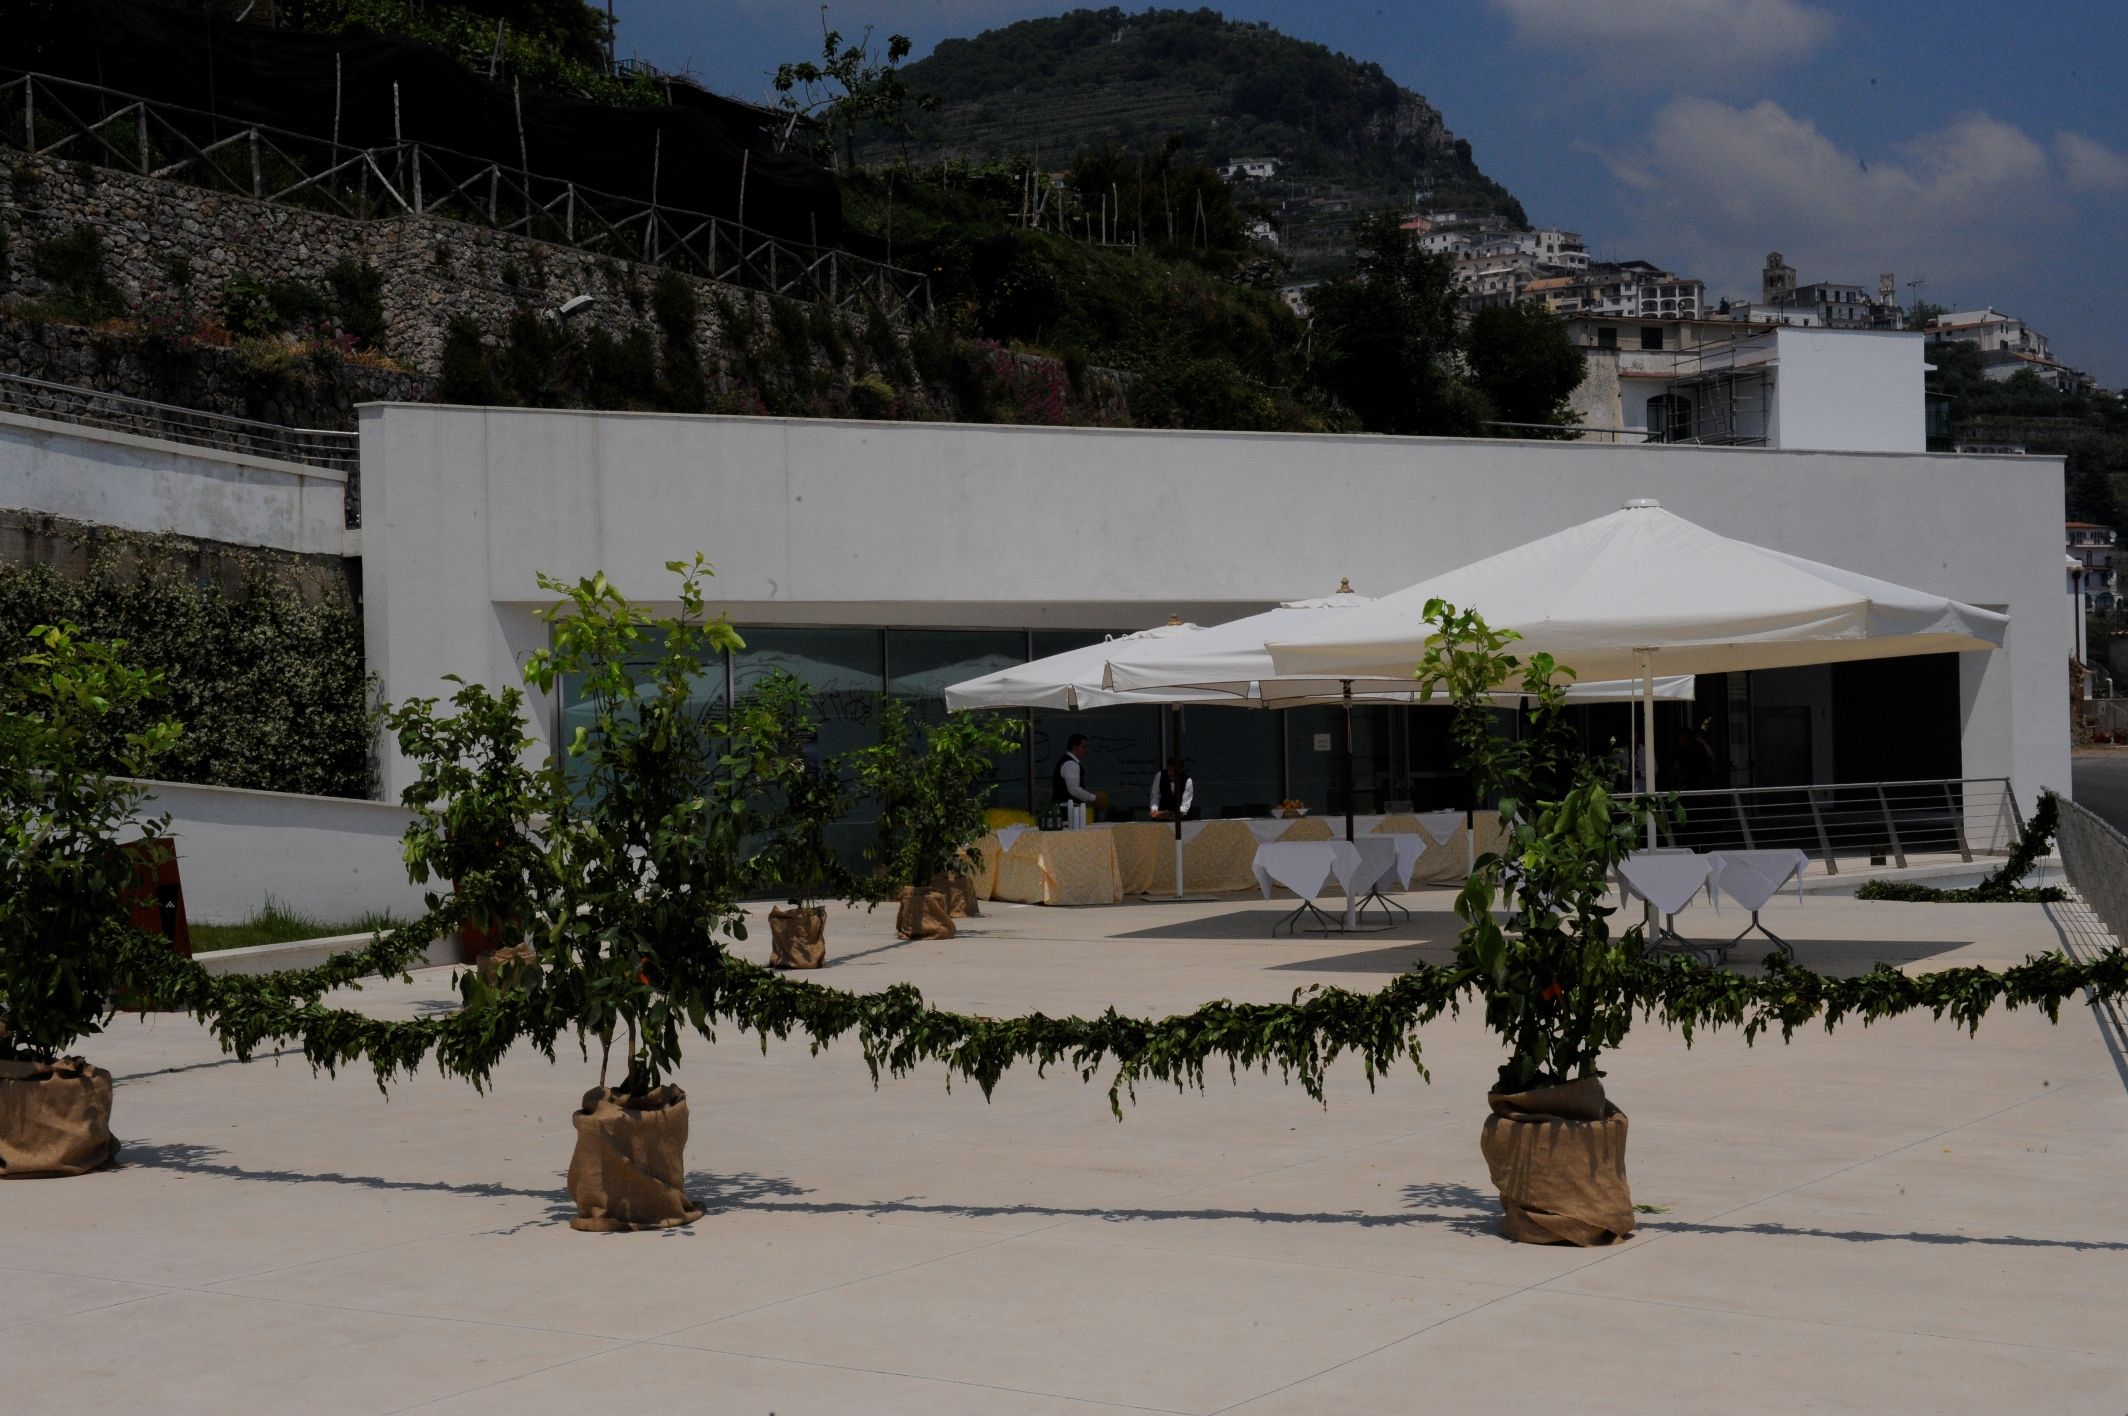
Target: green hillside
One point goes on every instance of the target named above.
(1347, 138)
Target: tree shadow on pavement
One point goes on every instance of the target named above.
(1475, 1212)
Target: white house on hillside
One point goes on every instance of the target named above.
(1712, 381)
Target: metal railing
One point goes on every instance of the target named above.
(2095, 858)
(1881, 822)
(220, 432)
(72, 121)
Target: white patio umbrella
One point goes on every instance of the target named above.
(1234, 659)
(1078, 678)
(1643, 587)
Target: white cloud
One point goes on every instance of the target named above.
(1712, 188)
(2089, 165)
(1672, 36)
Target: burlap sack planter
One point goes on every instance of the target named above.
(55, 1119)
(506, 965)
(959, 890)
(797, 938)
(1558, 1158)
(924, 914)
(630, 1166)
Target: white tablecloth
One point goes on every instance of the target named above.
(1440, 825)
(1666, 881)
(1754, 877)
(1385, 863)
(1270, 828)
(1008, 834)
(1304, 867)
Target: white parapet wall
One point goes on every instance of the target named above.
(144, 484)
(821, 522)
(329, 858)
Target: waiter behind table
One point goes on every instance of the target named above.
(1064, 783)
(1174, 792)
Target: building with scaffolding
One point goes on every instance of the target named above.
(1715, 382)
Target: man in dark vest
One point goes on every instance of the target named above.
(1066, 783)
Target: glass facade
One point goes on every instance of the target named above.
(1243, 760)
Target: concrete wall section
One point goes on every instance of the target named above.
(1858, 390)
(141, 484)
(826, 522)
(331, 859)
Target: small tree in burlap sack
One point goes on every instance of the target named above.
(932, 782)
(773, 738)
(1554, 977)
(64, 880)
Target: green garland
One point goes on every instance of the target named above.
(897, 1031)
(2000, 887)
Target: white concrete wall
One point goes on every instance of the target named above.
(332, 859)
(1852, 390)
(144, 484)
(925, 524)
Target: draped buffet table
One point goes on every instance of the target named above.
(1105, 864)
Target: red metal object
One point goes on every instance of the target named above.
(157, 899)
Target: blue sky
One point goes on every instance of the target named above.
(1980, 148)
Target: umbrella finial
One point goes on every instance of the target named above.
(1643, 504)
(1344, 585)
(1174, 619)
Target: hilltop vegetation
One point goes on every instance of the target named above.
(1347, 136)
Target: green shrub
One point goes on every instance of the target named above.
(247, 309)
(673, 305)
(358, 301)
(463, 372)
(872, 397)
(267, 685)
(74, 261)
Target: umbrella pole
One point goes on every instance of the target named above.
(1178, 802)
(1348, 758)
(1647, 734)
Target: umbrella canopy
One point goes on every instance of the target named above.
(1073, 679)
(1643, 589)
(1230, 662)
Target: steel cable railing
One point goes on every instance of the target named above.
(1884, 823)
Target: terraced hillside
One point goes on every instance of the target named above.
(1345, 136)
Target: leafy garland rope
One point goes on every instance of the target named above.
(897, 1030)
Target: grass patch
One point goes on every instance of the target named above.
(275, 923)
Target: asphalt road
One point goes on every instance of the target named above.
(2099, 780)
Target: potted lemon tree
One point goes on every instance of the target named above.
(773, 738)
(65, 879)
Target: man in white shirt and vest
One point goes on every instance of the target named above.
(1065, 783)
(1174, 792)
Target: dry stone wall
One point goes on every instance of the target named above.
(165, 238)
(309, 393)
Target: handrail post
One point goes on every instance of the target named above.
(140, 114)
(1891, 829)
(29, 115)
(258, 186)
(1957, 811)
(1743, 820)
(419, 208)
(1832, 866)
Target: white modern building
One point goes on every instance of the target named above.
(897, 558)
(1711, 381)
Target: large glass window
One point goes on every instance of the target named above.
(707, 698)
(1232, 755)
(845, 669)
(923, 663)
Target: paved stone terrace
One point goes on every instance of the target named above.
(1888, 1220)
